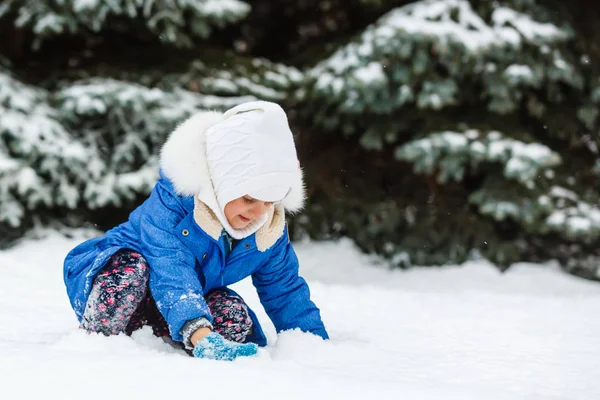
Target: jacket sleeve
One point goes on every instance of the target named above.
(174, 284)
(284, 294)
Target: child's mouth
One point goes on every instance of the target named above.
(244, 219)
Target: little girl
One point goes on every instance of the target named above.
(215, 217)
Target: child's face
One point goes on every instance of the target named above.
(243, 210)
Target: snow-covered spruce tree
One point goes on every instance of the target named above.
(483, 112)
(81, 142)
(123, 124)
(38, 156)
(97, 145)
(178, 23)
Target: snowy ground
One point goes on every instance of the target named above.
(454, 333)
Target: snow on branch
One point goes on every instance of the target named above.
(124, 124)
(167, 20)
(558, 210)
(574, 218)
(35, 151)
(396, 61)
(451, 153)
(96, 146)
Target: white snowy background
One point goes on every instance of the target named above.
(459, 332)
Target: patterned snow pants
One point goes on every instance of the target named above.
(120, 302)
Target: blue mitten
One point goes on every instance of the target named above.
(216, 347)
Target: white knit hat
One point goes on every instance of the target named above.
(251, 152)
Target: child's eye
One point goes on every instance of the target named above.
(248, 200)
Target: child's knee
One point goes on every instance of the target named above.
(118, 289)
(231, 316)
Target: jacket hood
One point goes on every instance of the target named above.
(183, 160)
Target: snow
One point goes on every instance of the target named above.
(458, 332)
(446, 24)
(530, 29)
(7, 164)
(455, 140)
(434, 17)
(222, 85)
(522, 160)
(221, 8)
(25, 179)
(532, 153)
(517, 73)
(516, 166)
(583, 220)
(579, 224)
(278, 79)
(562, 64)
(371, 74)
(259, 90)
(561, 192)
(81, 6)
(501, 210)
(46, 23)
(519, 70)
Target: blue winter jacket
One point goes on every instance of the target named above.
(185, 263)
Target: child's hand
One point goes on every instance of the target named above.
(215, 347)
